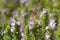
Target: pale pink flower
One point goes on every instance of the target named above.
(22, 12)
(52, 23)
(22, 38)
(19, 22)
(47, 36)
(31, 22)
(30, 27)
(43, 12)
(12, 20)
(12, 29)
(12, 24)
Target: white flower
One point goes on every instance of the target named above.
(12, 24)
(22, 34)
(46, 27)
(39, 22)
(47, 36)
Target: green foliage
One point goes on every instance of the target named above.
(7, 8)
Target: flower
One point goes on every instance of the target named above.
(19, 22)
(22, 38)
(21, 30)
(12, 24)
(46, 27)
(22, 12)
(12, 29)
(47, 36)
(52, 23)
(22, 34)
(31, 22)
(39, 22)
(12, 20)
(30, 27)
(43, 12)
(15, 13)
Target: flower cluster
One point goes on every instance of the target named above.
(29, 20)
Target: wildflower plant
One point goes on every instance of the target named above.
(29, 19)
